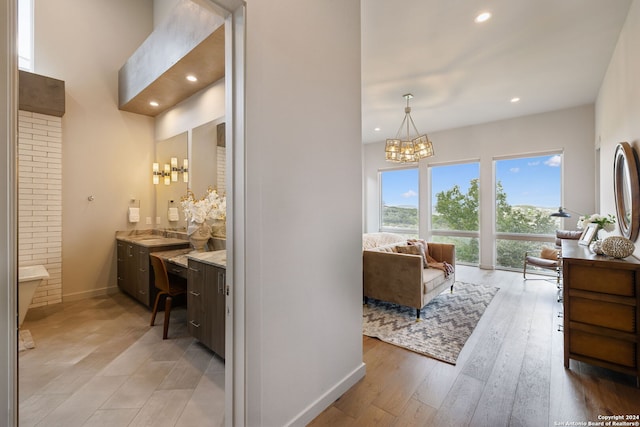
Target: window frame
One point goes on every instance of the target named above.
(531, 237)
(455, 233)
(403, 231)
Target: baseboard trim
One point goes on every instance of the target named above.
(324, 401)
(77, 296)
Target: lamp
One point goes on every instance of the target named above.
(156, 174)
(174, 169)
(408, 150)
(562, 213)
(167, 174)
(185, 170)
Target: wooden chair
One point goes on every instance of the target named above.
(166, 287)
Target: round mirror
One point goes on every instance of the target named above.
(625, 182)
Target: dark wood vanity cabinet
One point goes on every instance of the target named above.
(206, 304)
(601, 303)
(134, 270)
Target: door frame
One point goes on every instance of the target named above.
(235, 12)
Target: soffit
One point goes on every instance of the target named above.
(205, 61)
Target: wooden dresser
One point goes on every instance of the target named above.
(601, 303)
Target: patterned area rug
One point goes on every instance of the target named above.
(446, 322)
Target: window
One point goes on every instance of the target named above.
(399, 201)
(454, 208)
(527, 190)
(25, 35)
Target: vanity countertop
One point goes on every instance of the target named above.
(148, 238)
(215, 258)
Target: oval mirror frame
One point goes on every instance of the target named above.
(626, 190)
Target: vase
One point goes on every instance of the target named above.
(219, 228)
(199, 234)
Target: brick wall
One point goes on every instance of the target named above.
(221, 169)
(40, 200)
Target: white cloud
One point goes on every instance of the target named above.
(554, 162)
(514, 170)
(409, 194)
(533, 163)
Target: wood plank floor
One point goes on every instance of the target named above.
(510, 372)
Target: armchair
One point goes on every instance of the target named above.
(550, 258)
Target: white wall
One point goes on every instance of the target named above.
(570, 131)
(618, 107)
(107, 153)
(303, 207)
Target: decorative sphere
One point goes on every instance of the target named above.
(596, 247)
(617, 247)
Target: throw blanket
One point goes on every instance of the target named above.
(431, 261)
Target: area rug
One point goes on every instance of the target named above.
(445, 323)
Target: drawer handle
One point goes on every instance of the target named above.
(193, 269)
(195, 294)
(194, 324)
(176, 270)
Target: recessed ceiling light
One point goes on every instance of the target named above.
(484, 16)
(153, 103)
(515, 99)
(376, 129)
(192, 78)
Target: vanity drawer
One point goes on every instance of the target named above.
(600, 313)
(176, 270)
(603, 280)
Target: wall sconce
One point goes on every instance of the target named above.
(171, 171)
(156, 174)
(175, 170)
(167, 174)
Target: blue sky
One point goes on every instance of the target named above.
(527, 181)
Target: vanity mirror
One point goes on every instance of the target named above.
(204, 147)
(626, 189)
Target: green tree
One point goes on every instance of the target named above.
(456, 210)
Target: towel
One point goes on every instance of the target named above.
(173, 214)
(134, 214)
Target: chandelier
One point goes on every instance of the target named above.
(408, 150)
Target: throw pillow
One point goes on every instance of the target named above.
(424, 248)
(549, 253)
(413, 250)
(409, 249)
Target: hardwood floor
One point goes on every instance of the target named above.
(510, 372)
(98, 363)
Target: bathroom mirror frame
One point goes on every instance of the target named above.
(627, 190)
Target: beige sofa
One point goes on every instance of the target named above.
(402, 278)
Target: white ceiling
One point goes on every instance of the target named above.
(552, 54)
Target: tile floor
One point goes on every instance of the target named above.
(96, 362)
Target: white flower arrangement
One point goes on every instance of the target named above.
(605, 223)
(211, 206)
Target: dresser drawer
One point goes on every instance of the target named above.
(608, 349)
(607, 314)
(604, 280)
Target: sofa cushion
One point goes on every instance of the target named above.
(374, 240)
(432, 278)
